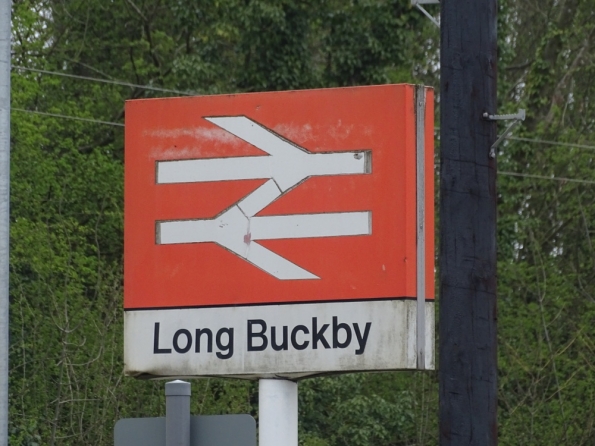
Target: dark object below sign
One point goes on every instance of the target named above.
(206, 430)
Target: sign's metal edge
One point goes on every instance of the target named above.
(420, 113)
(293, 302)
(254, 377)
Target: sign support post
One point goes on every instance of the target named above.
(177, 413)
(277, 412)
(468, 361)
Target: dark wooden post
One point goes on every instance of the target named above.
(468, 361)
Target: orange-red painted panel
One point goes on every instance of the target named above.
(382, 264)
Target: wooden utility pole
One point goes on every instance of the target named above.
(468, 362)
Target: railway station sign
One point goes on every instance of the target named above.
(279, 234)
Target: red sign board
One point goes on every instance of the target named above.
(276, 198)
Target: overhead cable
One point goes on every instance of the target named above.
(545, 177)
(75, 118)
(505, 173)
(190, 93)
(553, 143)
(105, 81)
(544, 141)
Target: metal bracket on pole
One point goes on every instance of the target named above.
(516, 118)
(418, 3)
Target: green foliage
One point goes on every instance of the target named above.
(66, 380)
(342, 412)
(546, 269)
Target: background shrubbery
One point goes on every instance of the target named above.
(66, 382)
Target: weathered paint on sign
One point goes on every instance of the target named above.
(293, 340)
(238, 229)
(313, 196)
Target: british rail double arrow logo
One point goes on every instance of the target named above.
(238, 228)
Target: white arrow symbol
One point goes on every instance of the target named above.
(237, 228)
(288, 164)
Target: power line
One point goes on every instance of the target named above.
(505, 173)
(186, 93)
(544, 141)
(543, 177)
(553, 143)
(105, 81)
(74, 118)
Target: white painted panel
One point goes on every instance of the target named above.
(228, 229)
(310, 225)
(185, 231)
(430, 326)
(255, 134)
(338, 163)
(256, 201)
(390, 343)
(289, 163)
(274, 264)
(215, 169)
(286, 166)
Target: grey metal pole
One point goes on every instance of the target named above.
(177, 413)
(5, 34)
